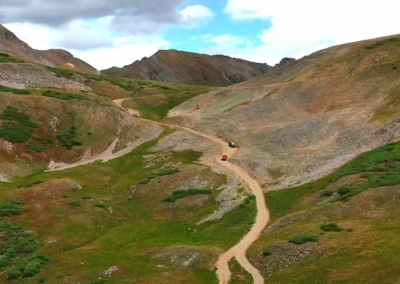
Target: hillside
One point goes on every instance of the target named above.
(10, 43)
(299, 122)
(191, 68)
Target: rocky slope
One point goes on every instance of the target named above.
(191, 68)
(11, 44)
(302, 120)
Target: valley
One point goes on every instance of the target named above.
(107, 180)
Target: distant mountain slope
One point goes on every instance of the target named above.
(11, 44)
(191, 68)
(300, 121)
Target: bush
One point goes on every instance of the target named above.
(9, 209)
(35, 148)
(14, 91)
(18, 126)
(332, 227)
(266, 252)
(28, 267)
(4, 54)
(64, 96)
(101, 205)
(302, 239)
(394, 67)
(350, 230)
(327, 193)
(87, 197)
(344, 190)
(178, 194)
(67, 139)
(74, 203)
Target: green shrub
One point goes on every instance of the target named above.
(394, 67)
(74, 203)
(64, 96)
(9, 209)
(343, 190)
(4, 263)
(87, 197)
(42, 280)
(14, 91)
(332, 227)
(28, 267)
(302, 239)
(4, 54)
(327, 193)
(349, 230)
(98, 282)
(17, 127)
(178, 194)
(266, 252)
(101, 205)
(250, 198)
(382, 42)
(35, 148)
(67, 139)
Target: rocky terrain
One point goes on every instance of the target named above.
(10, 43)
(301, 121)
(191, 68)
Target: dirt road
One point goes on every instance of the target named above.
(262, 219)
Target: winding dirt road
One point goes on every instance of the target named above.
(262, 219)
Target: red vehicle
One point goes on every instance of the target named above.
(224, 158)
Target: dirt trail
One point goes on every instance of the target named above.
(129, 110)
(262, 219)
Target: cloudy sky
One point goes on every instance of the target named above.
(108, 33)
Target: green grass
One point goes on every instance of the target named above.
(382, 42)
(178, 194)
(27, 267)
(239, 275)
(381, 167)
(64, 96)
(14, 91)
(4, 54)
(74, 203)
(17, 127)
(67, 139)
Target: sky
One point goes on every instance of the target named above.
(107, 33)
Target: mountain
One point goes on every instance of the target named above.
(300, 121)
(191, 68)
(11, 44)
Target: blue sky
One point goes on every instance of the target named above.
(116, 33)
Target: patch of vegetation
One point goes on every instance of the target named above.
(74, 203)
(302, 239)
(327, 193)
(382, 42)
(394, 67)
(35, 148)
(98, 282)
(178, 194)
(332, 227)
(15, 241)
(18, 126)
(4, 54)
(8, 59)
(266, 252)
(28, 267)
(9, 209)
(64, 96)
(101, 205)
(343, 190)
(14, 91)
(61, 72)
(67, 139)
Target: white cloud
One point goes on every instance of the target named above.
(196, 15)
(302, 27)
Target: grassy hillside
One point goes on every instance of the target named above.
(361, 201)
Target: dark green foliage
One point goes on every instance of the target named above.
(87, 197)
(101, 205)
(61, 72)
(9, 209)
(344, 190)
(178, 194)
(17, 127)
(327, 193)
(35, 148)
(41, 280)
(249, 199)
(64, 96)
(74, 203)
(28, 267)
(14, 91)
(302, 239)
(98, 282)
(332, 227)
(7, 59)
(266, 252)
(15, 241)
(394, 67)
(349, 230)
(4, 54)
(382, 42)
(67, 139)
